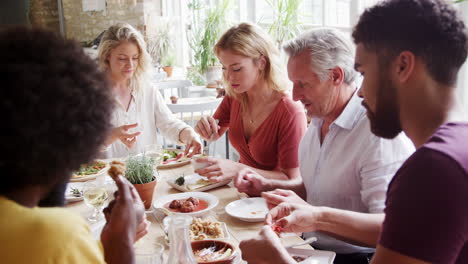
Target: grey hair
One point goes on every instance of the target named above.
(328, 48)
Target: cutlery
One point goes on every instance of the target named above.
(307, 241)
(206, 149)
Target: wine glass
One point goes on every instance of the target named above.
(96, 196)
(154, 151)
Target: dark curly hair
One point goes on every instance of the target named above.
(55, 104)
(430, 29)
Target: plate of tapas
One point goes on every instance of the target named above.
(202, 228)
(74, 192)
(188, 203)
(90, 171)
(194, 182)
(173, 158)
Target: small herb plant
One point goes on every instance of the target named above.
(140, 169)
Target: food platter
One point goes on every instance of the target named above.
(313, 256)
(176, 163)
(196, 232)
(195, 182)
(77, 178)
(211, 200)
(78, 196)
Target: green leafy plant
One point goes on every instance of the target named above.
(159, 41)
(285, 23)
(194, 75)
(202, 35)
(139, 169)
(168, 59)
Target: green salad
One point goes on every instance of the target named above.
(169, 154)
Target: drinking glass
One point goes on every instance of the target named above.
(154, 151)
(96, 196)
(150, 254)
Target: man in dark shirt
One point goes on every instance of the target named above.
(409, 52)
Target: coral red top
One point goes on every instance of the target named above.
(274, 145)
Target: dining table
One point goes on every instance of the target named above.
(238, 229)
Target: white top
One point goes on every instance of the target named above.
(148, 109)
(351, 170)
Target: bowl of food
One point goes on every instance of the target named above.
(213, 252)
(188, 203)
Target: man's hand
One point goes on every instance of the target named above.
(266, 248)
(278, 196)
(250, 182)
(294, 217)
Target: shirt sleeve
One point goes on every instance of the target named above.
(426, 214)
(168, 125)
(380, 160)
(223, 112)
(291, 132)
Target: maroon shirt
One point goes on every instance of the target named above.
(274, 144)
(427, 200)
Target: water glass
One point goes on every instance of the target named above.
(154, 151)
(149, 255)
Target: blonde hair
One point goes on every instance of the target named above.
(251, 41)
(116, 35)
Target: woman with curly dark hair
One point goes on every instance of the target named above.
(57, 107)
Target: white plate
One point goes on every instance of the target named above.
(248, 209)
(92, 176)
(209, 198)
(313, 256)
(68, 195)
(190, 182)
(175, 164)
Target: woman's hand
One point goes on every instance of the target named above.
(208, 128)
(250, 182)
(192, 142)
(218, 169)
(294, 217)
(121, 133)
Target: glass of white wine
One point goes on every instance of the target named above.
(95, 196)
(154, 151)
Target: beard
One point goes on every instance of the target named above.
(385, 121)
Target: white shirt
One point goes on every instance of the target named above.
(148, 109)
(351, 169)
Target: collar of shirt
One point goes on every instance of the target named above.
(349, 117)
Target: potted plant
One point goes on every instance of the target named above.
(285, 21)
(167, 63)
(140, 172)
(203, 36)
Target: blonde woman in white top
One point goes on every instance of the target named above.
(140, 109)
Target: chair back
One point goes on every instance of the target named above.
(178, 88)
(191, 113)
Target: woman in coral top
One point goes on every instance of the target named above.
(265, 125)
